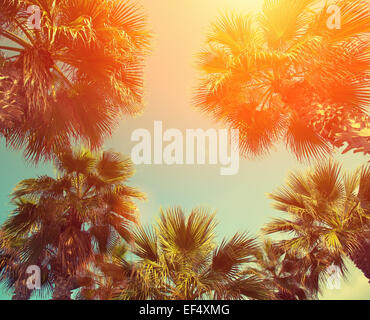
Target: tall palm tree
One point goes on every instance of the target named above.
(328, 214)
(74, 76)
(179, 260)
(64, 221)
(284, 75)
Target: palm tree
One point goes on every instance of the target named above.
(109, 275)
(178, 259)
(282, 272)
(73, 77)
(290, 275)
(328, 216)
(283, 75)
(13, 272)
(64, 221)
(10, 270)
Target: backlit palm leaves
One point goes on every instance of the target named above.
(328, 216)
(63, 222)
(109, 276)
(282, 273)
(73, 77)
(12, 272)
(179, 260)
(284, 75)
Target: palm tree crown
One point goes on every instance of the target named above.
(71, 78)
(63, 222)
(328, 216)
(179, 260)
(283, 75)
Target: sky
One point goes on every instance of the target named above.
(170, 78)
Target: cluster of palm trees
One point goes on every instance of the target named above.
(279, 75)
(79, 228)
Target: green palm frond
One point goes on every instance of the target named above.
(75, 162)
(326, 178)
(112, 165)
(146, 244)
(231, 255)
(246, 287)
(281, 225)
(190, 236)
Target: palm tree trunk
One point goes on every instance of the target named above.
(361, 258)
(62, 288)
